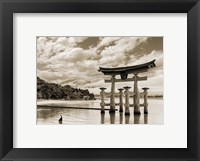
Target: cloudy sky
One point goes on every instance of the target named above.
(75, 60)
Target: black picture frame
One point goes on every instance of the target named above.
(191, 7)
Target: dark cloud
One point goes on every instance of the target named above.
(146, 47)
(88, 43)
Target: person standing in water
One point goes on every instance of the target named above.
(60, 120)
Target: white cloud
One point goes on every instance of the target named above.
(60, 61)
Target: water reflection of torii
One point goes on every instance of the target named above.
(123, 72)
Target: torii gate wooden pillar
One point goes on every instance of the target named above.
(123, 72)
(112, 95)
(136, 98)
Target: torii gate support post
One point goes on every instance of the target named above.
(102, 118)
(127, 118)
(121, 118)
(136, 98)
(120, 99)
(112, 96)
(102, 93)
(145, 100)
(126, 92)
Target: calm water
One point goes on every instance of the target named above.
(49, 115)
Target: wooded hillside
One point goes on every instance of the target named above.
(47, 90)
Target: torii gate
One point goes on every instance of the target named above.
(123, 72)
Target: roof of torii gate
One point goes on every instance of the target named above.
(124, 71)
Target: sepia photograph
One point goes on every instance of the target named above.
(100, 80)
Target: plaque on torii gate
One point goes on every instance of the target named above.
(124, 72)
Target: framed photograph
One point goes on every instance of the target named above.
(74, 87)
(99, 80)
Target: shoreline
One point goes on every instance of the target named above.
(59, 106)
